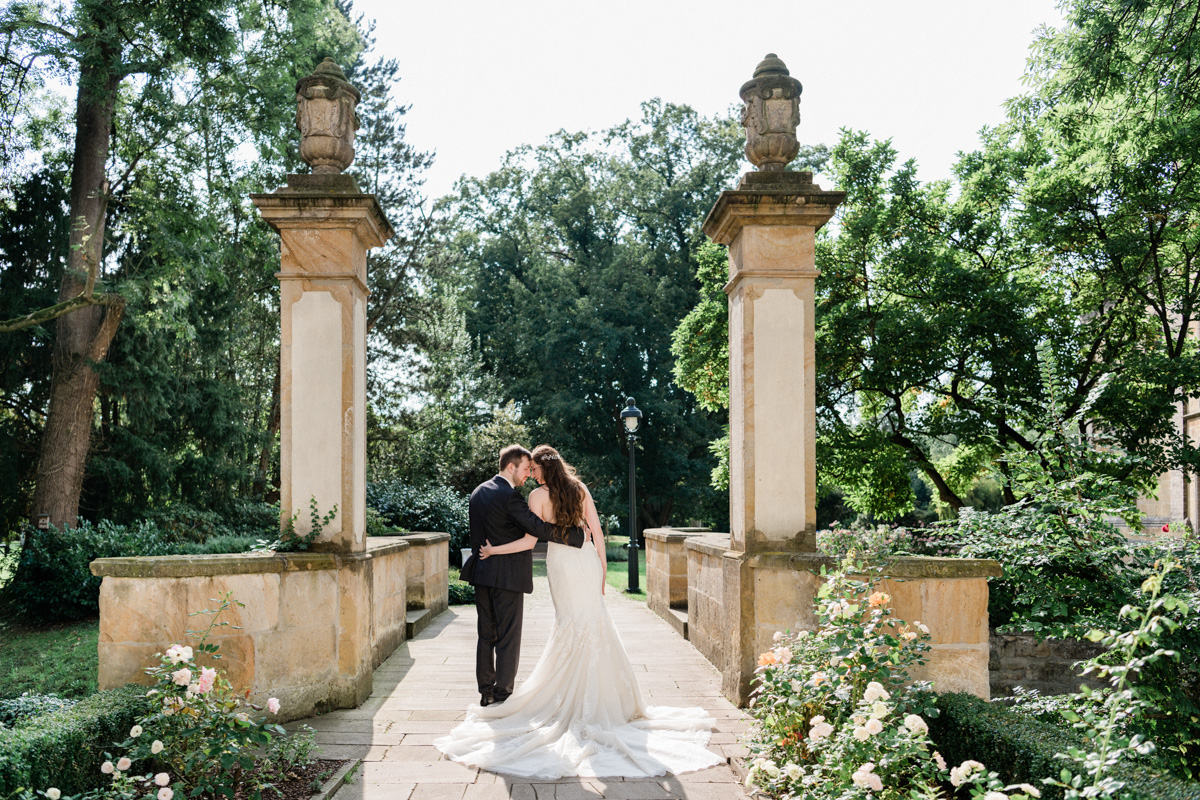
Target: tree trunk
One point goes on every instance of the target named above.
(82, 336)
(263, 486)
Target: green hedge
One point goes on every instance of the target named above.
(422, 508)
(66, 748)
(1022, 749)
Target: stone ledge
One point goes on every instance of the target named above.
(386, 545)
(717, 544)
(898, 567)
(208, 565)
(199, 566)
(424, 537)
(673, 534)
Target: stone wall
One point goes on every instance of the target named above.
(667, 569)
(708, 628)
(389, 582)
(428, 571)
(1048, 665)
(312, 628)
(737, 601)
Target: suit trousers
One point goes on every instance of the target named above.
(498, 652)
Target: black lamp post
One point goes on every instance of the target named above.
(632, 417)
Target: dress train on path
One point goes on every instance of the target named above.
(580, 712)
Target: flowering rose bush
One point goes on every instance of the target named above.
(837, 715)
(201, 737)
(876, 542)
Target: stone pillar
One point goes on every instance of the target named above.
(326, 226)
(769, 224)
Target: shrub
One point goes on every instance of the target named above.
(65, 749)
(18, 710)
(872, 543)
(421, 508)
(53, 582)
(836, 715)
(1023, 749)
(461, 592)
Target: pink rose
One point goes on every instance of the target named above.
(273, 705)
(207, 677)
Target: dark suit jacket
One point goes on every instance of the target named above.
(499, 514)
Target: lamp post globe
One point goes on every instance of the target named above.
(631, 416)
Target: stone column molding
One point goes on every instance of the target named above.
(769, 224)
(326, 228)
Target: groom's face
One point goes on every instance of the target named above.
(523, 471)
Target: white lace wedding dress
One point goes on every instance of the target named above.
(580, 712)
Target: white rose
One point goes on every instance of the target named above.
(135, 731)
(53, 793)
(778, 635)
(910, 635)
(860, 779)
(820, 731)
(995, 796)
(783, 655)
(915, 724)
(123, 763)
(165, 793)
(875, 782)
(874, 726)
(1032, 791)
(793, 771)
(797, 686)
(922, 628)
(156, 747)
(107, 768)
(879, 709)
(162, 779)
(861, 733)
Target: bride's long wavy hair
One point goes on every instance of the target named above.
(566, 490)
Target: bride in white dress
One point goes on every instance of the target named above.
(580, 712)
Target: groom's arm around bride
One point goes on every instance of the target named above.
(498, 513)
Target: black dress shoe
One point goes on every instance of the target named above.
(485, 700)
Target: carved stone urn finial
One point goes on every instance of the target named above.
(325, 115)
(771, 114)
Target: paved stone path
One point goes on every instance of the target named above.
(424, 688)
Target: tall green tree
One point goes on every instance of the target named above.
(168, 96)
(1067, 238)
(577, 257)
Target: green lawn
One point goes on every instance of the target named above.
(59, 659)
(618, 571)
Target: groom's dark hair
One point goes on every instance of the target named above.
(513, 454)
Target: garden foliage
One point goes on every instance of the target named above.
(65, 749)
(404, 507)
(838, 716)
(1023, 749)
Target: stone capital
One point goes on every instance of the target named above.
(313, 209)
(779, 198)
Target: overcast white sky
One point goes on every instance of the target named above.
(485, 76)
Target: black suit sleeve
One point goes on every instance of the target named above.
(529, 522)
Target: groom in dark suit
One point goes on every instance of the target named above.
(499, 514)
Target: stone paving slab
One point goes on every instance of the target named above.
(422, 691)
